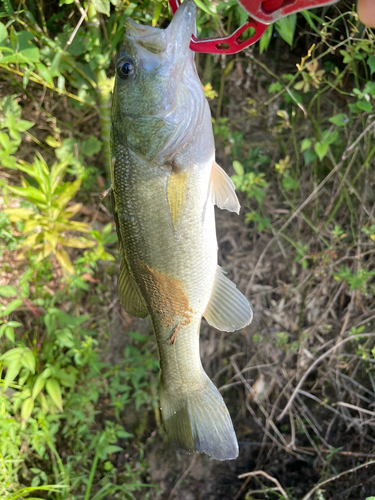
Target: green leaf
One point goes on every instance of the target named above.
(28, 361)
(364, 106)
(61, 83)
(12, 306)
(78, 243)
(64, 260)
(309, 18)
(3, 35)
(30, 193)
(347, 57)
(14, 324)
(206, 6)
(69, 190)
(46, 373)
(370, 89)
(265, 40)
(27, 408)
(13, 370)
(371, 63)
(340, 120)
(353, 107)
(2, 329)
(321, 149)
(111, 448)
(57, 172)
(13, 354)
(23, 125)
(286, 28)
(289, 183)
(65, 338)
(54, 391)
(305, 144)
(124, 434)
(309, 156)
(238, 168)
(52, 141)
(45, 73)
(7, 291)
(27, 168)
(275, 87)
(38, 386)
(9, 333)
(102, 6)
(157, 13)
(330, 136)
(27, 51)
(68, 149)
(91, 146)
(136, 336)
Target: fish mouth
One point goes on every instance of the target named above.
(174, 39)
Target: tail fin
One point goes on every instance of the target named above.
(199, 421)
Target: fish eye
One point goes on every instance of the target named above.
(125, 68)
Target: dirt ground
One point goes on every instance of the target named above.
(297, 459)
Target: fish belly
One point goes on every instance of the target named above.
(181, 261)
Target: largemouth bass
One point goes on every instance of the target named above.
(165, 184)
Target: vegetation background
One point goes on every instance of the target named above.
(293, 118)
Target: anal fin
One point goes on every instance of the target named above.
(224, 195)
(129, 295)
(228, 309)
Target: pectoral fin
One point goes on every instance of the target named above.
(177, 193)
(224, 195)
(129, 294)
(228, 309)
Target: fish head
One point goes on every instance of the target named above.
(151, 63)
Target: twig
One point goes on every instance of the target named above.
(308, 495)
(358, 408)
(183, 476)
(372, 124)
(238, 494)
(324, 404)
(282, 443)
(262, 473)
(307, 201)
(345, 324)
(311, 197)
(72, 36)
(311, 368)
(309, 449)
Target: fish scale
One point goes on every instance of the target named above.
(165, 185)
